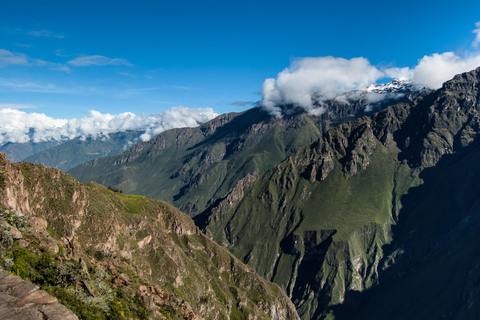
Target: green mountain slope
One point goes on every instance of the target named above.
(336, 224)
(193, 167)
(71, 153)
(19, 151)
(111, 255)
(433, 260)
(190, 166)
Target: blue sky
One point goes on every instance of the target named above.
(65, 58)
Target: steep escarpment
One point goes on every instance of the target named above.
(141, 249)
(191, 166)
(368, 209)
(311, 224)
(194, 167)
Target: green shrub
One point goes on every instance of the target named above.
(79, 307)
(124, 306)
(6, 263)
(23, 260)
(6, 238)
(15, 219)
(46, 270)
(69, 273)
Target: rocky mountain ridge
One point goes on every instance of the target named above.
(324, 224)
(192, 168)
(151, 256)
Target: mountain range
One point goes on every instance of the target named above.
(193, 167)
(375, 220)
(338, 219)
(108, 255)
(368, 209)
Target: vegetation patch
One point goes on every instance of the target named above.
(134, 204)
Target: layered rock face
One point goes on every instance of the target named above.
(144, 250)
(194, 167)
(362, 213)
(23, 300)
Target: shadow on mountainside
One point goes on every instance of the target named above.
(430, 270)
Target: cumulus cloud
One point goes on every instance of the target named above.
(432, 71)
(311, 79)
(97, 60)
(19, 127)
(309, 82)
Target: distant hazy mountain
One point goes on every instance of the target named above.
(378, 219)
(19, 151)
(74, 152)
(193, 167)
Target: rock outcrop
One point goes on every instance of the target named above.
(21, 299)
(149, 253)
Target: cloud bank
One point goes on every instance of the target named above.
(322, 77)
(310, 81)
(20, 127)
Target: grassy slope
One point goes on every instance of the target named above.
(326, 242)
(166, 247)
(437, 242)
(276, 228)
(189, 168)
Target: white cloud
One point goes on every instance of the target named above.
(432, 71)
(399, 73)
(477, 35)
(29, 86)
(308, 82)
(45, 34)
(126, 74)
(97, 60)
(177, 117)
(52, 65)
(13, 58)
(7, 58)
(319, 78)
(19, 127)
(16, 106)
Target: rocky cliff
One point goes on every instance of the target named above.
(127, 254)
(368, 221)
(193, 167)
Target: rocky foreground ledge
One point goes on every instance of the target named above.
(23, 300)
